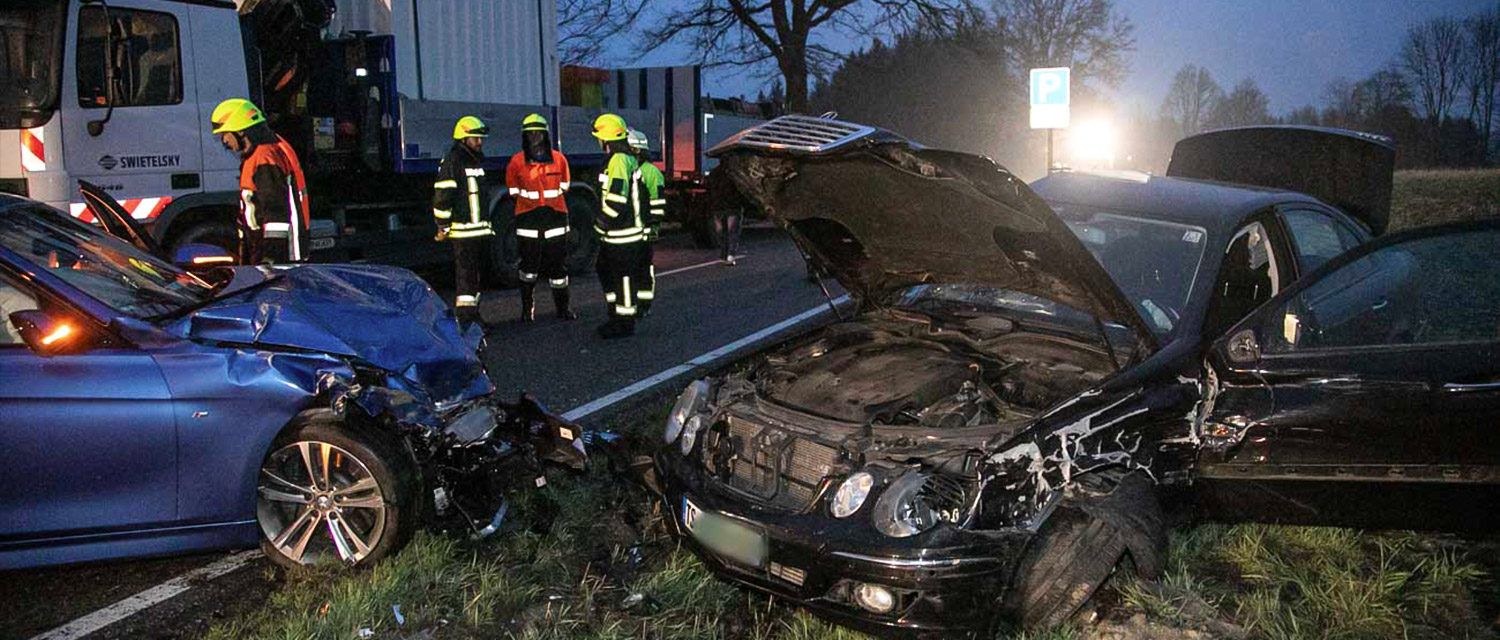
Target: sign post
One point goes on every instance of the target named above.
(1051, 91)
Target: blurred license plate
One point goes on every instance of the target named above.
(725, 536)
(319, 244)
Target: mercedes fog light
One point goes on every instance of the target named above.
(688, 403)
(851, 494)
(690, 433)
(874, 598)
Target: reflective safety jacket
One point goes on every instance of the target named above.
(538, 184)
(460, 194)
(620, 219)
(653, 189)
(273, 194)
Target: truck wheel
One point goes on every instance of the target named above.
(503, 255)
(328, 491)
(1113, 522)
(215, 230)
(583, 247)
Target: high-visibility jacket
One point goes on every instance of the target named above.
(273, 194)
(538, 184)
(621, 217)
(460, 194)
(653, 189)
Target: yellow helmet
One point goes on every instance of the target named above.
(534, 122)
(470, 127)
(235, 114)
(609, 127)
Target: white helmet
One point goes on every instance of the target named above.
(638, 140)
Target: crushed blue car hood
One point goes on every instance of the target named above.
(384, 317)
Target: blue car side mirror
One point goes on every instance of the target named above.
(201, 257)
(46, 335)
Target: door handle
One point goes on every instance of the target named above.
(1469, 387)
(1379, 305)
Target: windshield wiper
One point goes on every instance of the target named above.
(180, 312)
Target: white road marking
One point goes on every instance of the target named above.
(155, 595)
(626, 392)
(690, 267)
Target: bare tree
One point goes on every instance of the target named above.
(1341, 106)
(1246, 104)
(789, 33)
(1191, 98)
(1085, 35)
(1482, 40)
(1383, 89)
(1432, 57)
(584, 26)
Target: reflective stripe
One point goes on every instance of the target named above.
(527, 233)
(280, 227)
(658, 201)
(624, 311)
(530, 195)
(608, 211)
(615, 198)
(527, 277)
(622, 232)
(295, 248)
(625, 286)
(563, 186)
(466, 301)
(645, 295)
(551, 193)
(514, 191)
(635, 238)
(604, 177)
(558, 283)
(609, 296)
(553, 233)
(474, 197)
(471, 233)
(471, 225)
(442, 214)
(445, 184)
(247, 199)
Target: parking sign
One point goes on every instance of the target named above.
(1049, 98)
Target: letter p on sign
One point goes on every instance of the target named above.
(1049, 98)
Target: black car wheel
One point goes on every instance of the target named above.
(328, 492)
(1113, 520)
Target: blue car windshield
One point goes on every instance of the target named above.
(111, 270)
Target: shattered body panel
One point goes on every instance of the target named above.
(993, 376)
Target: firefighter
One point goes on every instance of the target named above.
(653, 187)
(458, 199)
(538, 178)
(620, 227)
(274, 218)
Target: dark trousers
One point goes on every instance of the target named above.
(256, 248)
(470, 261)
(727, 230)
(624, 270)
(542, 241)
(648, 275)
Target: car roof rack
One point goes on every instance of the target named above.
(796, 134)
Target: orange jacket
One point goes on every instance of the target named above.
(538, 184)
(266, 177)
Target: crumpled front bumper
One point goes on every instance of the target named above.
(947, 581)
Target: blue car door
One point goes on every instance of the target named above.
(88, 442)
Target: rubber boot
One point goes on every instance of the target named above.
(562, 300)
(528, 302)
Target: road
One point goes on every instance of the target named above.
(701, 306)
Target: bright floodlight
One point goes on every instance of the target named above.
(1093, 140)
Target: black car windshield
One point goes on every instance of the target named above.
(31, 36)
(1153, 262)
(112, 271)
(1014, 304)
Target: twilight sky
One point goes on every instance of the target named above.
(1292, 48)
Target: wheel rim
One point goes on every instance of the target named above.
(315, 499)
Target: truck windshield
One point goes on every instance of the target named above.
(31, 39)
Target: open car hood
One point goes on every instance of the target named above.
(1347, 169)
(881, 213)
(379, 316)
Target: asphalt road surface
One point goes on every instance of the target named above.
(701, 306)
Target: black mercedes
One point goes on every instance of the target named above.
(1034, 375)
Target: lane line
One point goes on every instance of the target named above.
(155, 595)
(637, 387)
(689, 268)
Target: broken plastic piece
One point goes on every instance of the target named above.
(400, 619)
(494, 522)
(365, 633)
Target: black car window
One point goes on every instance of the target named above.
(1248, 276)
(1435, 289)
(147, 62)
(1316, 237)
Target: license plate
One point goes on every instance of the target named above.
(319, 244)
(724, 536)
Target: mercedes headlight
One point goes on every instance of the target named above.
(901, 512)
(851, 494)
(690, 433)
(690, 402)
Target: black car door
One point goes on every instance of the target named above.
(117, 221)
(1371, 390)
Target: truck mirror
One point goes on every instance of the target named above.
(96, 127)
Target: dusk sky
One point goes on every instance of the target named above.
(1292, 48)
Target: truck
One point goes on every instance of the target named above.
(119, 92)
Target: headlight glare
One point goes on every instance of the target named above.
(691, 401)
(851, 494)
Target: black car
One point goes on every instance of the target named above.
(1034, 374)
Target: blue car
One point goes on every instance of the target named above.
(321, 411)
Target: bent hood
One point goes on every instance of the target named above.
(380, 316)
(882, 213)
